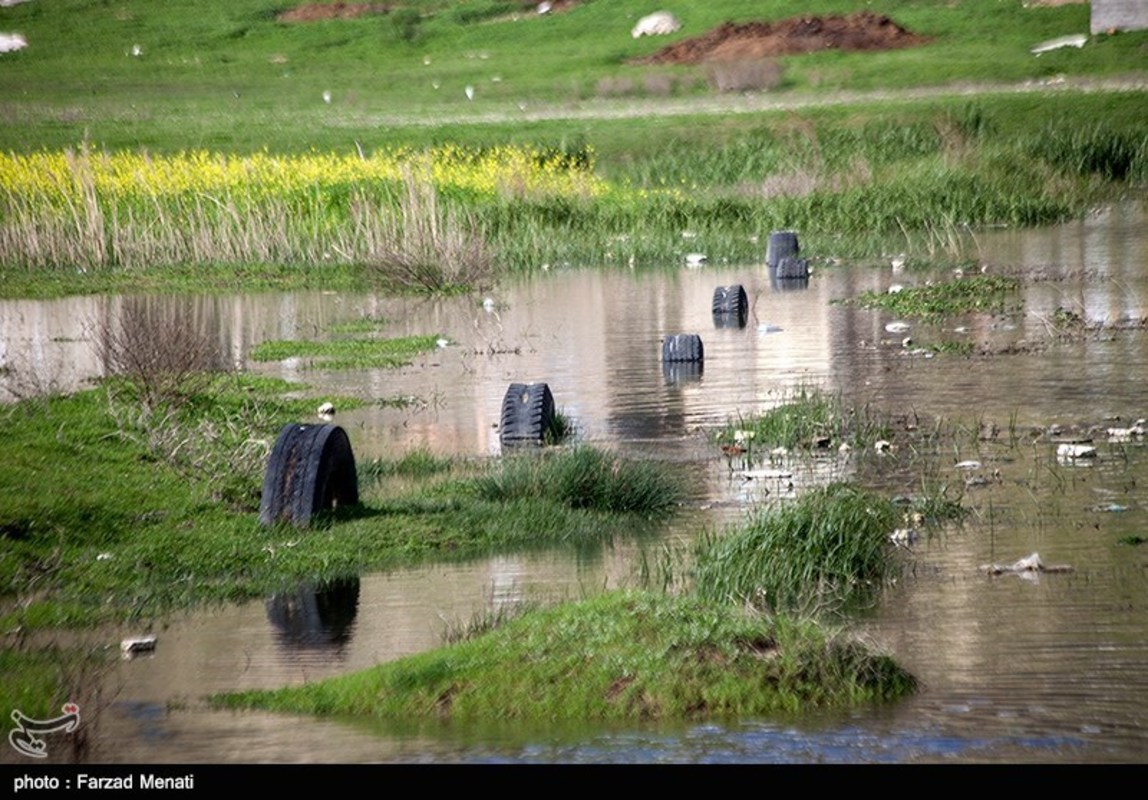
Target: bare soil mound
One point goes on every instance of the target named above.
(757, 40)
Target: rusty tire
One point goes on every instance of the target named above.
(311, 470)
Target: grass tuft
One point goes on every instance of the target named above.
(828, 548)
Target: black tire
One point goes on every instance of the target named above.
(782, 244)
(311, 470)
(792, 268)
(683, 347)
(730, 306)
(527, 414)
(730, 300)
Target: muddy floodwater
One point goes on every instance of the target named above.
(1026, 667)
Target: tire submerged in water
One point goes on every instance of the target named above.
(683, 347)
(527, 414)
(730, 306)
(782, 245)
(311, 470)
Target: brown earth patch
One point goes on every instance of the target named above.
(756, 40)
(312, 12)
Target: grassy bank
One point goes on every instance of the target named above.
(623, 656)
(235, 77)
(154, 508)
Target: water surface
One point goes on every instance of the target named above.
(1044, 668)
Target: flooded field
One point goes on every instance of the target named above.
(1026, 667)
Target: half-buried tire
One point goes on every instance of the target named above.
(527, 414)
(311, 470)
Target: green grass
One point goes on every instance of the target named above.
(229, 76)
(857, 177)
(622, 656)
(805, 419)
(827, 549)
(153, 511)
(980, 293)
(583, 478)
(355, 353)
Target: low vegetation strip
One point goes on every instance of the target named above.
(620, 656)
(354, 353)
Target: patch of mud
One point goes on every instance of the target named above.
(757, 40)
(313, 12)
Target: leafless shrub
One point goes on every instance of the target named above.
(159, 350)
(751, 75)
(612, 86)
(657, 84)
(427, 247)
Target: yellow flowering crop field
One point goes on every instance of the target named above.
(85, 209)
(64, 176)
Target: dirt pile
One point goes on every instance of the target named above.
(757, 40)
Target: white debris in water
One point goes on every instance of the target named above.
(903, 537)
(897, 327)
(1074, 451)
(695, 259)
(1125, 434)
(779, 474)
(896, 288)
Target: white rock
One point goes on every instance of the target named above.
(660, 23)
(897, 327)
(10, 42)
